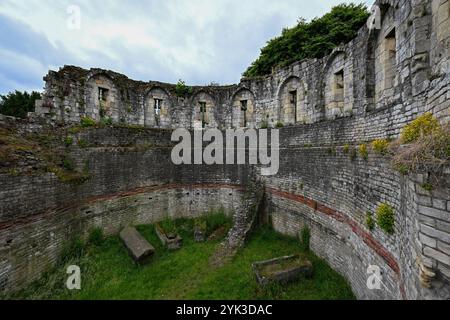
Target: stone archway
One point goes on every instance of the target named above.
(157, 108)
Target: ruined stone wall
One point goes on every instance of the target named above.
(365, 90)
(132, 182)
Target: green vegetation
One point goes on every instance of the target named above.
(386, 218)
(353, 154)
(264, 124)
(279, 125)
(314, 39)
(403, 169)
(363, 152)
(87, 122)
(96, 237)
(424, 125)
(332, 151)
(346, 149)
(18, 104)
(305, 239)
(271, 269)
(427, 187)
(68, 141)
(109, 273)
(370, 222)
(68, 164)
(381, 146)
(182, 90)
(83, 144)
(428, 147)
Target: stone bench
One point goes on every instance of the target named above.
(138, 247)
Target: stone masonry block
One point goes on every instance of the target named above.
(140, 250)
(437, 255)
(432, 232)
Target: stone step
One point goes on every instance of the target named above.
(138, 247)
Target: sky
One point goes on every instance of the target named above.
(199, 41)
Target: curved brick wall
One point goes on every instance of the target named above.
(130, 183)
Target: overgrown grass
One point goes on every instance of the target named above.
(109, 273)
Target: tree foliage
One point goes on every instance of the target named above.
(314, 39)
(18, 104)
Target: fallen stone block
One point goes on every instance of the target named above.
(282, 270)
(199, 234)
(171, 241)
(138, 247)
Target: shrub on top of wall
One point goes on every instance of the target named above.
(346, 149)
(422, 126)
(386, 218)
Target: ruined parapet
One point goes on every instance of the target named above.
(171, 241)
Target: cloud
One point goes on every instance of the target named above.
(197, 40)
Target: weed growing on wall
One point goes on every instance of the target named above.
(182, 89)
(96, 237)
(386, 218)
(370, 222)
(430, 152)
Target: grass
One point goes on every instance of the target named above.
(109, 273)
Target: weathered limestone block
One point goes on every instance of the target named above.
(140, 250)
(171, 241)
(282, 270)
